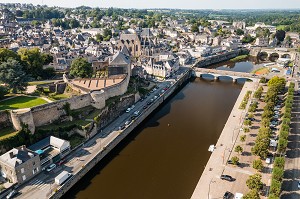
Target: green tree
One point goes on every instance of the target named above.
(5, 54)
(275, 188)
(277, 173)
(279, 162)
(247, 122)
(246, 130)
(280, 35)
(258, 165)
(243, 138)
(235, 160)
(13, 75)
(3, 91)
(195, 28)
(252, 194)
(282, 144)
(80, 67)
(238, 149)
(239, 32)
(254, 182)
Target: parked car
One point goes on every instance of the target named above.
(228, 195)
(128, 110)
(122, 127)
(127, 122)
(62, 161)
(227, 177)
(132, 107)
(299, 184)
(144, 107)
(136, 113)
(51, 167)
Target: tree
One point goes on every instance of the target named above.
(282, 144)
(258, 93)
(243, 138)
(247, 122)
(12, 74)
(5, 54)
(277, 173)
(235, 160)
(239, 32)
(275, 187)
(80, 67)
(280, 35)
(3, 91)
(254, 182)
(257, 164)
(195, 28)
(279, 162)
(238, 149)
(252, 194)
(246, 130)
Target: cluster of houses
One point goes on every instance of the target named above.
(157, 52)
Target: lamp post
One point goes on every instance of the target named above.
(211, 181)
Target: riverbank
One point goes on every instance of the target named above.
(218, 159)
(239, 58)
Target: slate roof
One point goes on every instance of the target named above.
(120, 59)
(17, 156)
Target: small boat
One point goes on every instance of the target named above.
(211, 148)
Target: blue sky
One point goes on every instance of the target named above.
(184, 4)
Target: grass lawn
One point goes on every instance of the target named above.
(21, 102)
(7, 132)
(60, 96)
(75, 140)
(39, 82)
(280, 27)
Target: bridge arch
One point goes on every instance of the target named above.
(287, 56)
(243, 79)
(273, 57)
(263, 56)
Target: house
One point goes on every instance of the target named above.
(19, 165)
(161, 69)
(51, 150)
(120, 64)
(262, 41)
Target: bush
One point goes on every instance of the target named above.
(279, 162)
(275, 187)
(277, 173)
(3, 91)
(238, 149)
(252, 194)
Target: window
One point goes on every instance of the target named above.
(33, 163)
(22, 170)
(24, 177)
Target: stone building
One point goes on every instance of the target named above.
(19, 165)
(119, 64)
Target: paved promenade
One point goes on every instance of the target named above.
(210, 185)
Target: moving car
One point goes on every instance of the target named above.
(51, 167)
(11, 194)
(299, 184)
(127, 122)
(227, 177)
(128, 110)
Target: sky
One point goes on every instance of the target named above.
(183, 4)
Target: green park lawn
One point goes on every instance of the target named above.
(7, 132)
(21, 102)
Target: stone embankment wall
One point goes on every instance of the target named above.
(47, 113)
(219, 58)
(5, 120)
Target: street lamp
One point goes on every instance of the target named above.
(211, 181)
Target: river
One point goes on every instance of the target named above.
(165, 157)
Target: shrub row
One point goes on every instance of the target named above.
(245, 100)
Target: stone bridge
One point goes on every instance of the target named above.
(271, 54)
(199, 72)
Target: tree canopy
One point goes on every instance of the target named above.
(80, 67)
(13, 75)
